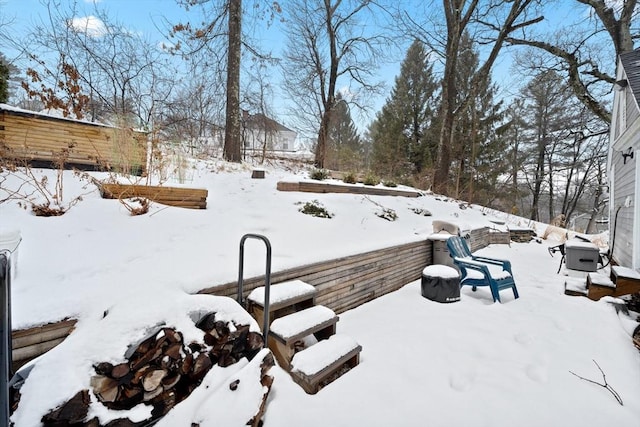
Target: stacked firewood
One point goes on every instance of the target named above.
(161, 371)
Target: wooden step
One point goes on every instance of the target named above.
(627, 280)
(284, 298)
(288, 334)
(599, 285)
(574, 286)
(324, 362)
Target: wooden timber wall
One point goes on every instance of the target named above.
(32, 137)
(324, 187)
(192, 198)
(342, 284)
(27, 344)
(345, 283)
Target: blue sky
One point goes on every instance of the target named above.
(148, 17)
(138, 15)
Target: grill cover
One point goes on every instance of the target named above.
(440, 283)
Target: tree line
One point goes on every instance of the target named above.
(446, 125)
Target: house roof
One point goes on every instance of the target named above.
(260, 121)
(631, 64)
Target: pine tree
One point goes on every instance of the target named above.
(344, 146)
(7, 71)
(479, 139)
(402, 132)
(4, 82)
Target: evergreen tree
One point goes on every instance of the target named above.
(344, 147)
(402, 132)
(479, 134)
(515, 134)
(7, 71)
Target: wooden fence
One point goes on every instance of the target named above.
(32, 137)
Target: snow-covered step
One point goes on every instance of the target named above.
(599, 285)
(284, 298)
(575, 286)
(296, 331)
(298, 325)
(322, 363)
(627, 280)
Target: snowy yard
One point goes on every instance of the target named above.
(470, 363)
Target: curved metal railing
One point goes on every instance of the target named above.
(5, 334)
(267, 280)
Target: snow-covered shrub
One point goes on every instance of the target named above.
(315, 208)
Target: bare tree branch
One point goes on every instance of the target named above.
(605, 385)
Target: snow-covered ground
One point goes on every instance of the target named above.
(470, 363)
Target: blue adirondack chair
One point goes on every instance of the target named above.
(481, 271)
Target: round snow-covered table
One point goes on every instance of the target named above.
(441, 283)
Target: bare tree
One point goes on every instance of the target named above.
(258, 98)
(232, 134)
(327, 43)
(121, 74)
(222, 37)
(578, 49)
(489, 24)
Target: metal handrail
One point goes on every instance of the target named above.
(6, 358)
(267, 280)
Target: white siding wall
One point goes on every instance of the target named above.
(622, 213)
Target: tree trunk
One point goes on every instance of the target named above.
(321, 146)
(232, 129)
(448, 104)
(539, 176)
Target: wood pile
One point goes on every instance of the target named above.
(162, 371)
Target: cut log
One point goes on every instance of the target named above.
(120, 370)
(171, 381)
(153, 379)
(149, 395)
(174, 351)
(72, 412)
(200, 366)
(104, 387)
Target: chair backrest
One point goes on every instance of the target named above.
(458, 247)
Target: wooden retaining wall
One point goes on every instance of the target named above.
(27, 344)
(32, 137)
(325, 187)
(347, 282)
(342, 284)
(192, 198)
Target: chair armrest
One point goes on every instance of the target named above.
(506, 265)
(476, 263)
(473, 265)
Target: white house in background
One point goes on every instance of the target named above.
(261, 131)
(624, 163)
